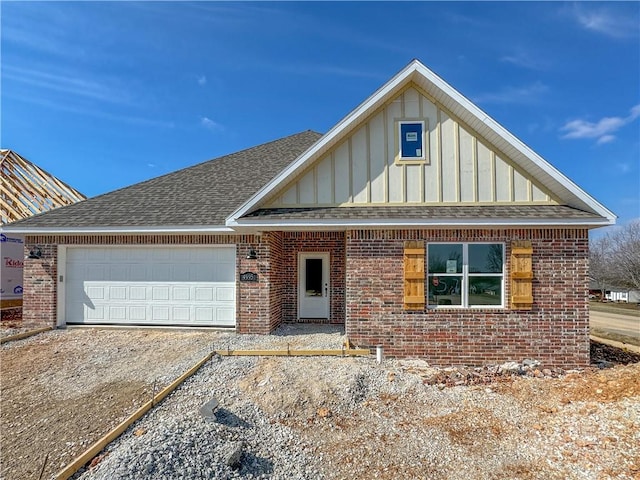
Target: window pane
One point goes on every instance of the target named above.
(485, 290)
(411, 140)
(313, 280)
(445, 290)
(485, 258)
(445, 258)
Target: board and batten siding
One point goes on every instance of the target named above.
(460, 167)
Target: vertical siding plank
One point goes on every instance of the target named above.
(377, 158)
(432, 169)
(520, 187)
(324, 178)
(359, 176)
(395, 191)
(467, 173)
(503, 180)
(449, 164)
(307, 189)
(290, 197)
(341, 178)
(538, 195)
(485, 174)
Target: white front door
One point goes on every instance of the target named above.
(313, 285)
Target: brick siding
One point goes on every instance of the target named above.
(367, 291)
(555, 331)
(300, 242)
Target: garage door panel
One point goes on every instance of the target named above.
(225, 316)
(159, 314)
(181, 314)
(95, 313)
(157, 285)
(137, 314)
(204, 294)
(160, 292)
(118, 314)
(225, 294)
(95, 292)
(118, 292)
(181, 294)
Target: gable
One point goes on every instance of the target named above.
(458, 165)
(473, 160)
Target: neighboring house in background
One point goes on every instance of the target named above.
(614, 294)
(25, 190)
(417, 221)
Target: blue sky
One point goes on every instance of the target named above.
(107, 94)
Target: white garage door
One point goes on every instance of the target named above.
(192, 286)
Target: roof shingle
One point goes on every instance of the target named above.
(201, 195)
(424, 212)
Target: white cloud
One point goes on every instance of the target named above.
(524, 59)
(603, 130)
(209, 124)
(71, 83)
(524, 94)
(604, 20)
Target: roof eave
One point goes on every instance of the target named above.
(421, 223)
(172, 230)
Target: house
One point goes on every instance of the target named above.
(613, 293)
(417, 221)
(25, 190)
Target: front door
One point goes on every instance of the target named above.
(313, 285)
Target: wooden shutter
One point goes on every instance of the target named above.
(521, 275)
(414, 298)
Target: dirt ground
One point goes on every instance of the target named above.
(63, 390)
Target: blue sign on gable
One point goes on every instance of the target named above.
(411, 146)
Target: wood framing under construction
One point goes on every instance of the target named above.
(26, 189)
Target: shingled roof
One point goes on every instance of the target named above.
(202, 195)
(425, 213)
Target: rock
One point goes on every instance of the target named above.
(509, 367)
(208, 410)
(602, 364)
(546, 372)
(324, 412)
(234, 454)
(530, 363)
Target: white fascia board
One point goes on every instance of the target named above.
(116, 230)
(403, 222)
(362, 110)
(516, 143)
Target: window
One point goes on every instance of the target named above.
(465, 274)
(411, 140)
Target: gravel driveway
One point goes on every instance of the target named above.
(304, 418)
(63, 390)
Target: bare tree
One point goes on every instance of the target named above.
(625, 251)
(600, 263)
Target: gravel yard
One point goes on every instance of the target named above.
(306, 418)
